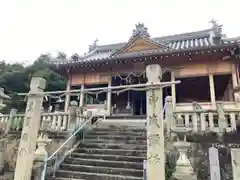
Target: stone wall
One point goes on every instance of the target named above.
(11, 150)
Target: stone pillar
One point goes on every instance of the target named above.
(212, 89)
(2, 149)
(109, 99)
(67, 99)
(11, 119)
(173, 89)
(72, 123)
(41, 155)
(235, 153)
(30, 130)
(169, 113)
(155, 126)
(214, 163)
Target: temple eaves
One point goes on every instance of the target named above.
(182, 42)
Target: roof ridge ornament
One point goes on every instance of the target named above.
(216, 32)
(93, 45)
(140, 30)
(217, 28)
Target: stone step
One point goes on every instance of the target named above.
(119, 129)
(109, 157)
(116, 133)
(112, 151)
(60, 178)
(113, 141)
(93, 176)
(116, 137)
(104, 163)
(102, 170)
(100, 145)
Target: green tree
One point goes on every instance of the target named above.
(15, 78)
(41, 68)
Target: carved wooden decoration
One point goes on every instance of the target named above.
(139, 44)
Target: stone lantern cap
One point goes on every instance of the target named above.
(180, 130)
(236, 88)
(3, 95)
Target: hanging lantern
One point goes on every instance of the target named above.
(45, 98)
(128, 107)
(50, 108)
(59, 100)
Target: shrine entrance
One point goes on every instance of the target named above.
(129, 103)
(139, 103)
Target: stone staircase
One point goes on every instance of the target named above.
(113, 153)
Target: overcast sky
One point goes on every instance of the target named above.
(31, 27)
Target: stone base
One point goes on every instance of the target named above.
(178, 176)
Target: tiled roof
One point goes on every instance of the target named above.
(181, 42)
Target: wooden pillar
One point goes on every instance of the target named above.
(67, 99)
(173, 89)
(30, 130)
(109, 99)
(81, 98)
(234, 80)
(212, 89)
(155, 126)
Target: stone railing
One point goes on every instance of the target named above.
(200, 119)
(11, 123)
(208, 121)
(57, 121)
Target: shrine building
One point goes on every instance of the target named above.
(206, 62)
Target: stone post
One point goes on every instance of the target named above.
(72, 124)
(30, 130)
(41, 155)
(169, 113)
(2, 149)
(10, 123)
(235, 156)
(155, 126)
(196, 119)
(221, 119)
(214, 163)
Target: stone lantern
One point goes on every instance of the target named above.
(184, 168)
